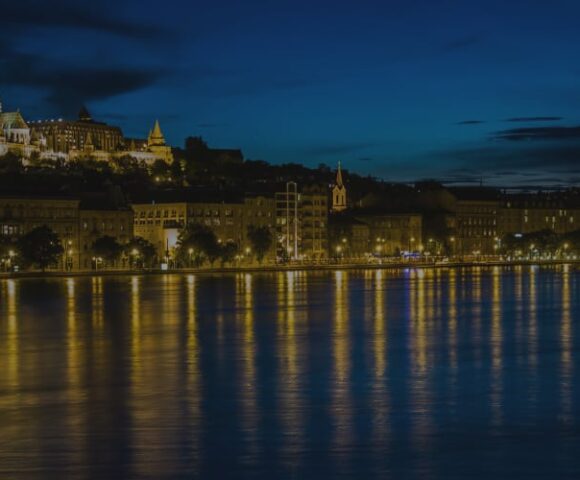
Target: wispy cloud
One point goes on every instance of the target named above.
(538, 133)
(534, 119)
(470, 122)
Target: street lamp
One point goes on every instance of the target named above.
(11, 255)
(190, 251)
(134, 255)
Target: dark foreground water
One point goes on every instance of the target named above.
(430, 374)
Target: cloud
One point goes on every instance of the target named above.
(534, 119)
(538, 133)
(66, 88)
(470, 122)
(97, 16)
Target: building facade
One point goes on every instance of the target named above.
(302, 222)
(527, 213)
(161, 223)
(73, 135)
(99, 216)
(20, 215)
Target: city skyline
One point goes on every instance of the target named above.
(403, 92)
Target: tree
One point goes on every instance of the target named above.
(10, 163)
(261, 239)
(228, 252)
(107, 248)
(160, 170)
(40, 247)
(201, 241)
(140, 251)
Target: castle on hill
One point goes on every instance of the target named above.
(80, 139)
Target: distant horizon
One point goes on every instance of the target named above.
(395, 90)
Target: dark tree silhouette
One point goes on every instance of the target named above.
(201, 240)
(261, 239)
(107, 248)
(140, 251)
(40, 247)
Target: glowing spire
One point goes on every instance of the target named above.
(156, 136)
(339, 176)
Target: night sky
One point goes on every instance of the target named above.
(456, 90)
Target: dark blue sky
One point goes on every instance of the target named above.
(399, 89)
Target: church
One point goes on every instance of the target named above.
(338, 193)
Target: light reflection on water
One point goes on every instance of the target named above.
(413, 374)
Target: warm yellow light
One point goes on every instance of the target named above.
(11, 253)
(135, 252)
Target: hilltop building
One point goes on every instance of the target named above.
(156, 144)
(15, 135)
(66, 136)
(86, 138)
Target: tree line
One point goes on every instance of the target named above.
(41, 248)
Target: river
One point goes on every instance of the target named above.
(417, 373)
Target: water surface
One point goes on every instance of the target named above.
(431, 374)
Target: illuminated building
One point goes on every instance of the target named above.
(161, 218)
(86, 138)
(302, 222)
(15, 135)
(349, 237)
(157, 146)
(21, 214)
(527, 213)
(391, 233)
(102, 214)
(66, 136)
(77, 221)
(461, 220)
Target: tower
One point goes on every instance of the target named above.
(156, 135)
(156, 144)
(338, 193)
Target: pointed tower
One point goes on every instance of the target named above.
(156, 144)
(339, 193)
(156, 136)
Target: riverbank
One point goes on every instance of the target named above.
(288, 268)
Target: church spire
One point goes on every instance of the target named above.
(339, 176)
(339, 193)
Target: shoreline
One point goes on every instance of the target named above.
(285, 268)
